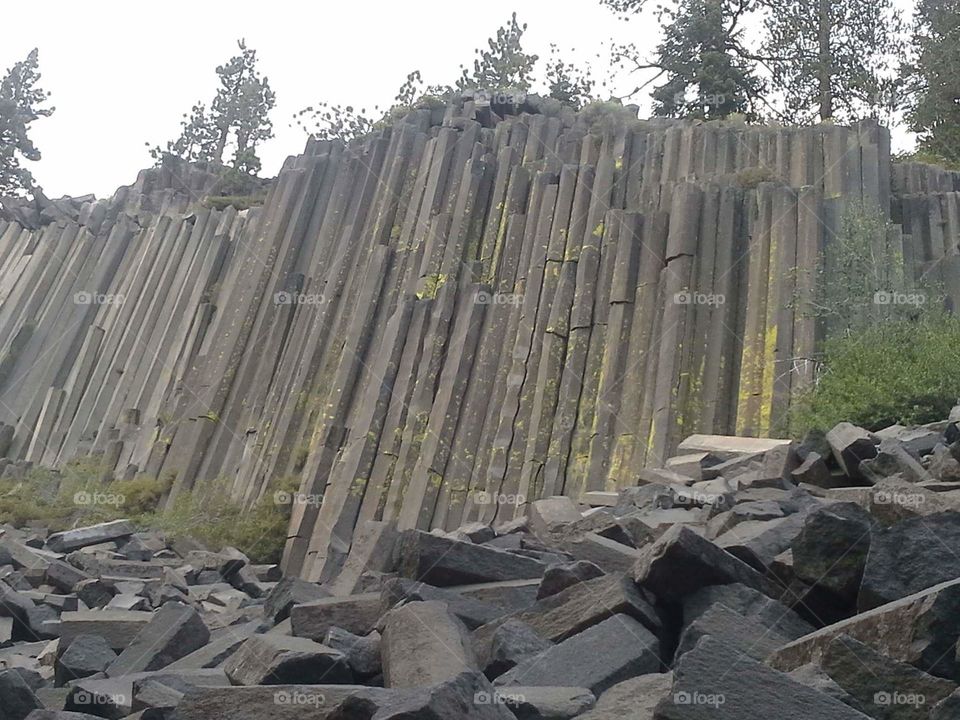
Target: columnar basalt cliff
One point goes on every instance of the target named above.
(460, 308)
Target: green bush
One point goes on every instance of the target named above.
(897, 371)
(211, 516)
(76, 495)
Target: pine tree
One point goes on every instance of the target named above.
(932, 78)
(503, 67)
(21, 101)
(570, 84)
(832, 60)
(238, 118)
(707, 70)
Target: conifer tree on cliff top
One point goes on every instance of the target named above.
(21, 103)
(814, 59)
(933, 80)
(237, 120)
(502, 70)
(707, 70)
(833, 60)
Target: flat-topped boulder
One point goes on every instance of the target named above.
(444, 562)
(731, 444)
(69, 540)
(356, 613)
(279, 660)
(596, 659)
(117, 627)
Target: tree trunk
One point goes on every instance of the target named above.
(825, 63)
(222, 143)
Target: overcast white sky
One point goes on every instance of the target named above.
(123, 73)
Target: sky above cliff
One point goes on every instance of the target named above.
(122, 74)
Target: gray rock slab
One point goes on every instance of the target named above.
(424, 644)
(175, 630)
(714, 681)
(278, 660)
(597, 658)
(70, 540)
(444, 562)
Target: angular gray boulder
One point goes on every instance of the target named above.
(681, 562)
(597, 658)
(444, 562)
(424, 644)
(282, 660)
(174, 631)
(69, 540)
(715, 682)
(909, 557)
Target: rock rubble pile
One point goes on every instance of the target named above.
(747, 578)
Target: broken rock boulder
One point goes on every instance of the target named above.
(444, 562)
(424, 644)
(85, 656)
(280, 660)
(920, 629)
(911, 556)
(886, 688)
(682, 562)
(69, 540)
(831, 549)
(563, 575)
(597, 658)
(715, 682)
(851, 445)
(175, 630)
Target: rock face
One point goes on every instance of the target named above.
(454, 308)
